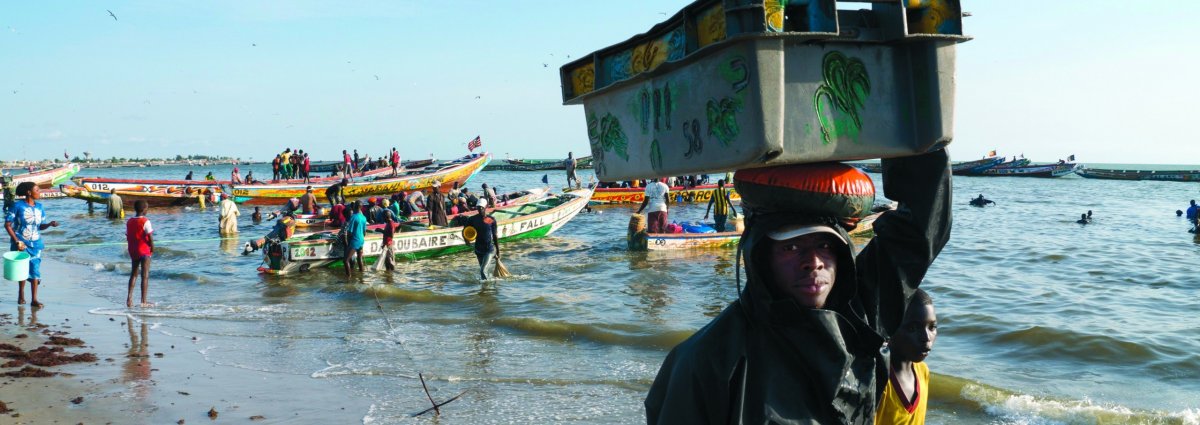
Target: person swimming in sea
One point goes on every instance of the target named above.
(981, 201)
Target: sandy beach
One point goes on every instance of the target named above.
(141, 374)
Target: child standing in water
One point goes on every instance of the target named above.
(140, 236)
(907, 393)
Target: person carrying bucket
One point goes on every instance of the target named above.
(24, 224)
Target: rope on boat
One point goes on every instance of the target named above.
(122, 243)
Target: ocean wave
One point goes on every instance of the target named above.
(1008, 407)
(1048, 343)
(570, 331)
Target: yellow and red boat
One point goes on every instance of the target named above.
(676, 194)
(104, 184)
(457, 171)
(162, 198)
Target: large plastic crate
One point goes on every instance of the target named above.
(732, 84)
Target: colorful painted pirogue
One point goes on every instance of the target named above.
(457, 171)
(1166, 175)
(45, 194)
(678, 241)
(975, 167)
(414, 240)
(677, 194)
(47, 178)
(104, 184)
(1048, 170)
(162, 198)
(513, 199)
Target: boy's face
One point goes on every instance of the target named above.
(914, 340)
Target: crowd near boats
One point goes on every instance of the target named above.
(310, 239)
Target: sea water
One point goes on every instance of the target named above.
(1042, 320)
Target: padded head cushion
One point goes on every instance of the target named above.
(826, 189)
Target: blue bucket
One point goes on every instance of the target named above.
(16, 266)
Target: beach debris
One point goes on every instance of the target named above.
(21, 336)
(4, 408)
(30, 372)
(46, 356)
(77, 400)
(181, 421)
(212, 413)
(436, 406)
(159, 355)
(257, 417)
(183, 393)
(60, 340)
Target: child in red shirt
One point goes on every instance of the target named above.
(140, 236)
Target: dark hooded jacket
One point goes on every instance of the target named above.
(766, 359)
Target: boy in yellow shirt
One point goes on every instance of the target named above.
(907, 392)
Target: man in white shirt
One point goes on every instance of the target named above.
(656, 199)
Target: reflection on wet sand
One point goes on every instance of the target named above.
(136, 370)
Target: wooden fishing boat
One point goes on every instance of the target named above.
(162, 198)
(677, 194)
(457, 171)
(513, 199)
(104, 184)
(678, 241)
(1045, 171)
(870, 167)
(976, 166)
(47, 178)
(537, 165)
(1113, 174)
(44, 194)
(415, 240)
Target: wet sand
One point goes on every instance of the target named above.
(140, 375)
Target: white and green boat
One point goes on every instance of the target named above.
(415, 240)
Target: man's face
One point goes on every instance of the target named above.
(916, 335)
(804, 267)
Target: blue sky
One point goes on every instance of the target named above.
(1104, 80)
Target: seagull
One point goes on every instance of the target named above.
(253, 44)
(376, 78)
(545, 65)
(476, 97)
(111, 14)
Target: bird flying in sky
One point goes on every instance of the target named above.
(111, 14)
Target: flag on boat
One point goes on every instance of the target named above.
(992, 153)
(1071, 158)
(474, 143)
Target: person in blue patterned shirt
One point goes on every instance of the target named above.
(24, 223)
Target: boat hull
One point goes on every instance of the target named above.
(47, 178)
(1044, 171)
(1111, 174)
(277, 194)
(306, 252)
(104, 184)
(677, 194)
(128, 198)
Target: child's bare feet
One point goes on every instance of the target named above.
(35, 304)
(146, 304)
(21, 300)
